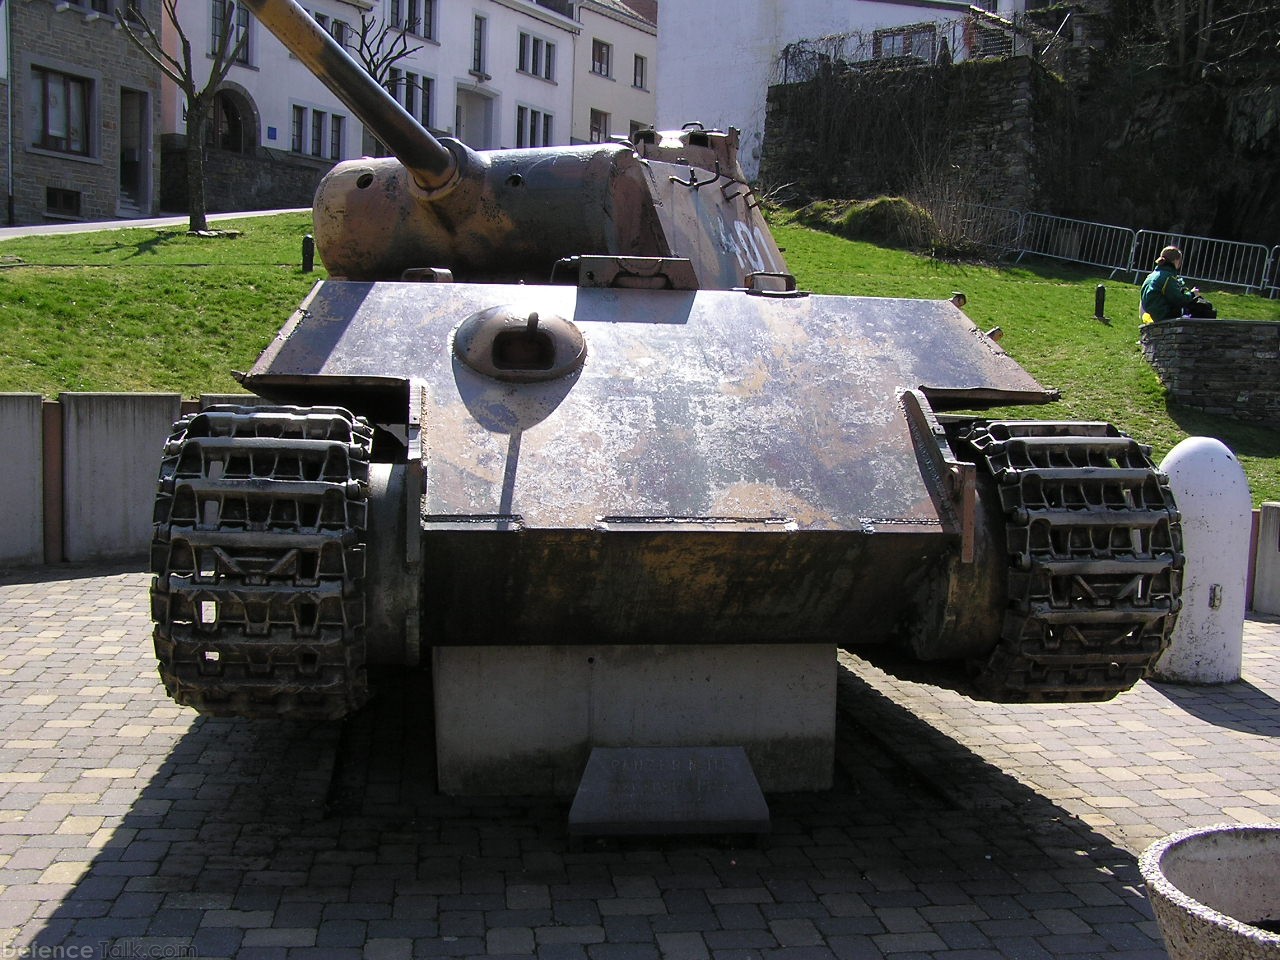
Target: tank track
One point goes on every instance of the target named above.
(1095, 547)
(258, 558)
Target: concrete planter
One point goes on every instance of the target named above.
(1210, 886)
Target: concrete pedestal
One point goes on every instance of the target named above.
(523, 720)
(1212, 494)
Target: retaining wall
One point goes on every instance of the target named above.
(79, 474)
(21, 478)
(1225, 367)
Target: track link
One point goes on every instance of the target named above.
(1095, 547)
(258, 558)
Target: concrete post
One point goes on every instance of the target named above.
(1213, 497)
(112, 444)
(21, 479)
(1266, 571)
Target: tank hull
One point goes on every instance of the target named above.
(721, 468)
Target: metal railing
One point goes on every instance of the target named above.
(1205, 259)
(991, 228)
(1121, 250)
(1271, 285)
(1079, 241)
(977, 34)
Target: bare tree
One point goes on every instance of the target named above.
(379, 46)
(1207, 37)
(199, 90)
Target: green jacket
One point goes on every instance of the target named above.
(1164, 294)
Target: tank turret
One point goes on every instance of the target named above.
(514, 215)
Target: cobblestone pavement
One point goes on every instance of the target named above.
(130, 828)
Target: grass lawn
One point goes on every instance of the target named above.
(148, 309)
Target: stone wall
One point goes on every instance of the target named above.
(262, 180)
(1009, 133)
(1226, 367)
(981, 129)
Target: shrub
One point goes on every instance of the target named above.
(888, 221)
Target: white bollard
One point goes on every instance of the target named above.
(1212, 494)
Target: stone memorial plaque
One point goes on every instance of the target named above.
(668, 790)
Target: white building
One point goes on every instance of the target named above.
(613, 83)
(494, 73)
(720, 73)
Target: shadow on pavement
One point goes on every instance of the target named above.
(322, 839)
(1236, 706)
(70, 572)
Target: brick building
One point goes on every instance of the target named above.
(97, 132)
(81, 107)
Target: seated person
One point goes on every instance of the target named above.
(1165, 295)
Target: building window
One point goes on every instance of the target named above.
(62, 203)
(341, 31)
(298, 129)
(536, 56)
(602, 58)
(414, 16)
(335, 137)
(321, 19)
(533, 128)
(428, 100)
(918, 42)
(639, 72)
(478, 30)
(61, 111)
(599, 126)
(317, 133)
(411, 94)
(237, 29)
(634, 128)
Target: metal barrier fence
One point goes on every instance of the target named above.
(1205, 259)
(1118, 249)
(992, 228)
(1080, 241)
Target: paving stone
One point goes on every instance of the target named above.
(504, 940)
(562, 951)
(569, 934)
(955, 830)
(682, 946)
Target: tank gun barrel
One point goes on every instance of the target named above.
(430, 162)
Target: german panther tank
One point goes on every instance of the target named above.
(569, 399)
